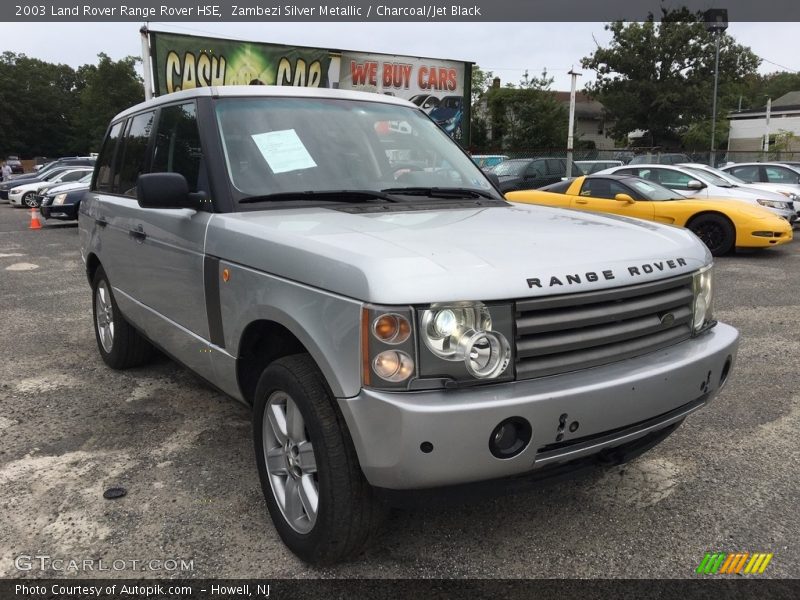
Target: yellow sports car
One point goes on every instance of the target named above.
(722, 224)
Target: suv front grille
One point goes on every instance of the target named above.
(558, 334)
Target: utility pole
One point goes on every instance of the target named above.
(148, 79)
(570, 137)
(716, 20)
(766, 129)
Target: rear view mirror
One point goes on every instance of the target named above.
(695, 185)
(165, 190)
(624, 198)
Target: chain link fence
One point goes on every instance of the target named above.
(655, 155)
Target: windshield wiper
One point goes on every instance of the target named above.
(324, 195)
(440, 192)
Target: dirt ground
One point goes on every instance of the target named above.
(71, 428)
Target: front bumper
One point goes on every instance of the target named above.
(613, 405)
(66, 212)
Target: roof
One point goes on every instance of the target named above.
(788, 99)
(264, 91)
(584, 105)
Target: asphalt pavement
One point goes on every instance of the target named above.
(70, 428)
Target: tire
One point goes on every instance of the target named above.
(310, 455)
(120, 345)
(29, 200)
(715, 231)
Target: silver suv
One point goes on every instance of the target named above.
(336, 262)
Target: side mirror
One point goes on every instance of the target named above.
(695, 185)
(624, 198)
(165, 190)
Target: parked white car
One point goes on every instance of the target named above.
(784, 176)
(792, 192)
(590, 167)
(27, 194)
(702, 184)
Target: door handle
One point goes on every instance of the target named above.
(138, 234)
(581, 202)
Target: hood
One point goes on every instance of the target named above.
(414, 257)
(28, 185)
(15, 182)
(752, 191)
(66, 187)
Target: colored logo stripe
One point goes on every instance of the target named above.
(723, 563)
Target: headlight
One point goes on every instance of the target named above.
(462, 333)
(703, 286)
(59, 199)
(16, 191)
(774, 204)
(791, 195)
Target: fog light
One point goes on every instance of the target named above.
(510, 437)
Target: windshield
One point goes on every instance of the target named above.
(728, 177)
(708, 177)
(296, 145)
(513, 168)
(652, 191)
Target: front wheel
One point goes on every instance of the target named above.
(30, 200)
(320, 503)
(715, 231)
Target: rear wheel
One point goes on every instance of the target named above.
(120, 345)
(715, 231)
(322, 506)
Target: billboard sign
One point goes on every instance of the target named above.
(436, 86)
(440, 87)
(183, 62)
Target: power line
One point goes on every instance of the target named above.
(777, 65)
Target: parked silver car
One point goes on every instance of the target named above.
(393, 330)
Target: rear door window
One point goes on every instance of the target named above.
(748, 172)
(134, 156)
(105, 161)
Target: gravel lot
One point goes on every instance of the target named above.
(70, 428)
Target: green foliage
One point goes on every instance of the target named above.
(658, 77)
(54, 110)
(527, 117)
(481, 81)
(757, 88)
(109, 88)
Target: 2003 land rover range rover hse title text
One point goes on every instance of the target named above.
(336, 261)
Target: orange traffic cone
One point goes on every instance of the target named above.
(35, 224)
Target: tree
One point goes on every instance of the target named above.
(527, 117)
(757, 88)
(36, 103)
(54, 110)
(106, 89)
(658, 77)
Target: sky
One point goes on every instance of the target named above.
(507, 49)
